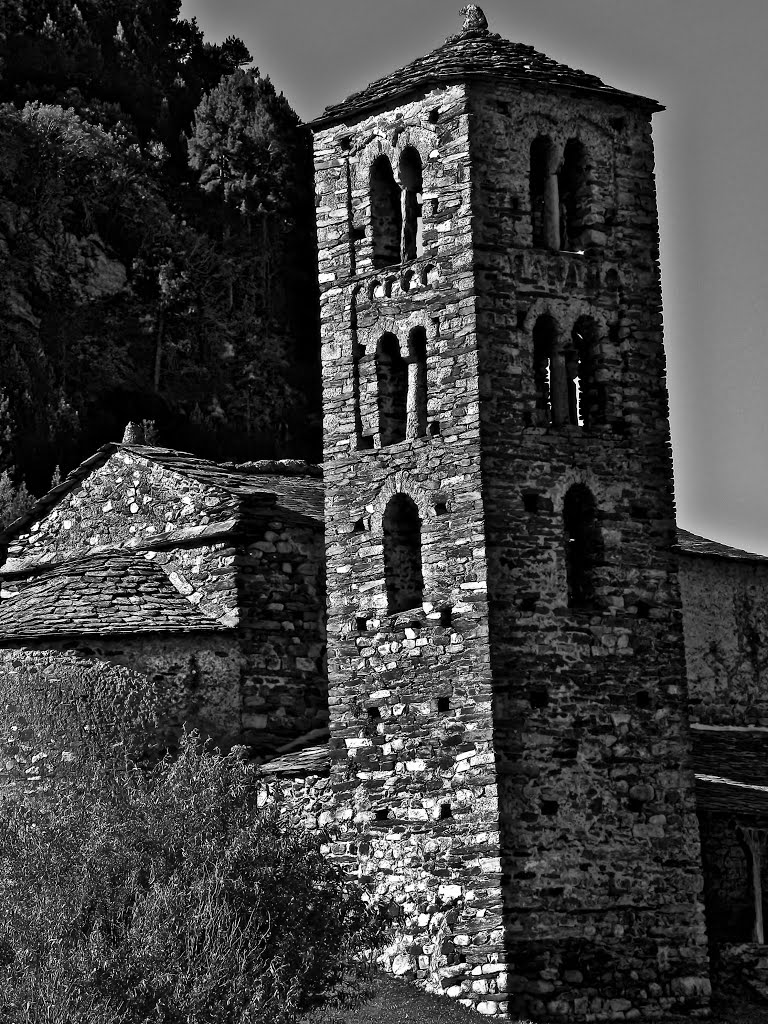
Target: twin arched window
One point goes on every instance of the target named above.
(564, 374)
(401, 385)
(396, 209)
(560, 195)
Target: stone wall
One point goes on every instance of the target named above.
(281, 601)
(412, 770)
(498, 719)
(60, 697)
(725, 617)
(599, 838)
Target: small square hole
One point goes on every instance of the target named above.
(643, 699)
(382, 814)
(443, 703)
(441, 508)
(549, 807)
(643, 609)
(531, 502)
(434, 429)
(446, 616)
(362, 624)
(528, 603)
(539, 698)
(357, 234)
(445, 811)
(374, 714)
(359, 526)
(345, 144)
(366, 442)
(522, 315)
(434, 115)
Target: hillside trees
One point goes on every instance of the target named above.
(123, 296)
(130, 61)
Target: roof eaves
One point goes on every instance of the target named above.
(355, 109)
(690, 544)
(50, 633)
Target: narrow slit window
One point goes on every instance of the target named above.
(583, 546)
(417, 383)
(574, 197)
(402, 555)
(411, 182)
(586, 398)
(543, 195)
(392, 386)
(386, 214)
(545, 377)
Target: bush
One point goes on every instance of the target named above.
(176, 894)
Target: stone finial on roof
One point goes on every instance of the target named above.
(474, 19)
(133, 433)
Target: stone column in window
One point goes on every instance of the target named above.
(559, 389)
(552, 200)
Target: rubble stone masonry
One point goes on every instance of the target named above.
(511, 757)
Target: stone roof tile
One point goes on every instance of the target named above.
(294, 487)
(474, 53)
(690, 544)
(300, 763)
(728, 796)
(99, 595)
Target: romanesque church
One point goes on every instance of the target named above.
(473, 646)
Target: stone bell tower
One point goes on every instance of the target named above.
(509, 742)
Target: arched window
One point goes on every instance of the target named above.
(545, 375)
(583, 545)
(574, 196)
(411, 182)
(402, 554)
(586, 395)
(417, 382)
(392, 389)
(386, 215)
(543, 194)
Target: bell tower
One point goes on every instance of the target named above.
(509, 738)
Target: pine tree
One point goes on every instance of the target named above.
(244, 144)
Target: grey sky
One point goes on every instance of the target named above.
(706, 61)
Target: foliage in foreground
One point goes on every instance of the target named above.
(169, 896)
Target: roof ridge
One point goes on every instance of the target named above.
(471, 54)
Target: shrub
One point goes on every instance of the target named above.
(177, 894)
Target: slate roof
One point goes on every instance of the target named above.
(295, 487)
(727, 796)
(302, 494)
(690, 544)
(111, 593)
(300, 763)
(475, 54)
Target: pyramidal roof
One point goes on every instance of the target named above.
(474, 53)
